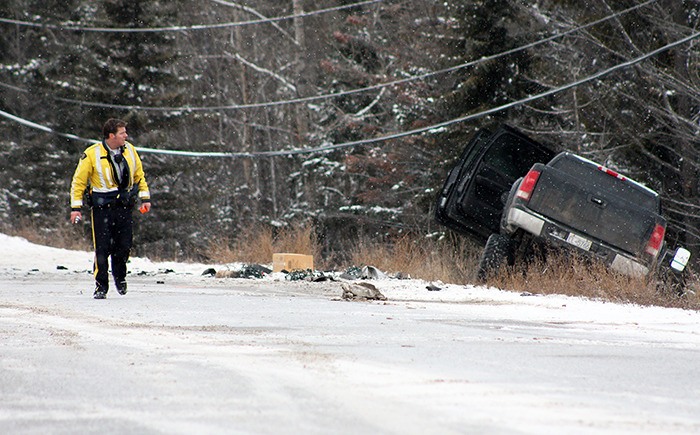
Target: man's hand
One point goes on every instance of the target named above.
(145, 207)
(75, 217)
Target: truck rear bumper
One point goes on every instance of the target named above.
(557, 235)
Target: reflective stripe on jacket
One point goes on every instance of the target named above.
(96, 172)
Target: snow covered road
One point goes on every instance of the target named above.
(183, 353)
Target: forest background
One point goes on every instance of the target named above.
(337, 114)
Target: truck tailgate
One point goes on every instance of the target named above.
(592, 211)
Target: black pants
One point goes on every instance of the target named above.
(112, 232)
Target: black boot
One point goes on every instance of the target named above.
(121, 287)
(100, 293)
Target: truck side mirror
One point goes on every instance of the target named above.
(680, 259)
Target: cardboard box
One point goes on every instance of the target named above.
(291, 262)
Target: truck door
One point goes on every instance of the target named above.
(445, 203)
(474, 204)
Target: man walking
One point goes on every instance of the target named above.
(112, 173)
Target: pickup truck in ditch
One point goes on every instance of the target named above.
(513, 193)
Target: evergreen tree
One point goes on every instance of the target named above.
(34, 163)
(68, 76)
(485, 28)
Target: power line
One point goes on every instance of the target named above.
(40, 127)
(74, 28)
(437, 126)
(521, 101)
(352, 91)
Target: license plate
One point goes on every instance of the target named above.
(579, 241)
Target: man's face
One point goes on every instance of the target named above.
(119, 138)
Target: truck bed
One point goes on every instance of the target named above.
(597, 204)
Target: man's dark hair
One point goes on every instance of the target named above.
(111, 126)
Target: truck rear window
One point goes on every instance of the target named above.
(626, 189)
(513, 156)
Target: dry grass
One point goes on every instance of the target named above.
(74, 237)
(454, 259)
(576, 277)
(425, 258)
(447, 260)
(259, 243)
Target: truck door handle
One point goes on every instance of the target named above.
(597, 201)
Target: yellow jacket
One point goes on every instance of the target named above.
(96, 172)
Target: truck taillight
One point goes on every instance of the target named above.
(527, 185)
(655, 241)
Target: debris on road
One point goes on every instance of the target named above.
(361, 291)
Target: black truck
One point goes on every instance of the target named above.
(512, 193)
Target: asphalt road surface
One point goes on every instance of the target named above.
(183, 355)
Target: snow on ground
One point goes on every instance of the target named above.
(184, 352)
(19, 258)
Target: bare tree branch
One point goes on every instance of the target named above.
(286, 83)
(259, 15)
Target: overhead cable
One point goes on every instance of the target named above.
(74, 28)
(40, 127)
(432, 127)
(351, 91)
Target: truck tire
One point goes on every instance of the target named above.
(498, 250)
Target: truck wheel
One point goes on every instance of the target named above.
(498, 250)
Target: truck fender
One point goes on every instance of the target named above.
(508, 202)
